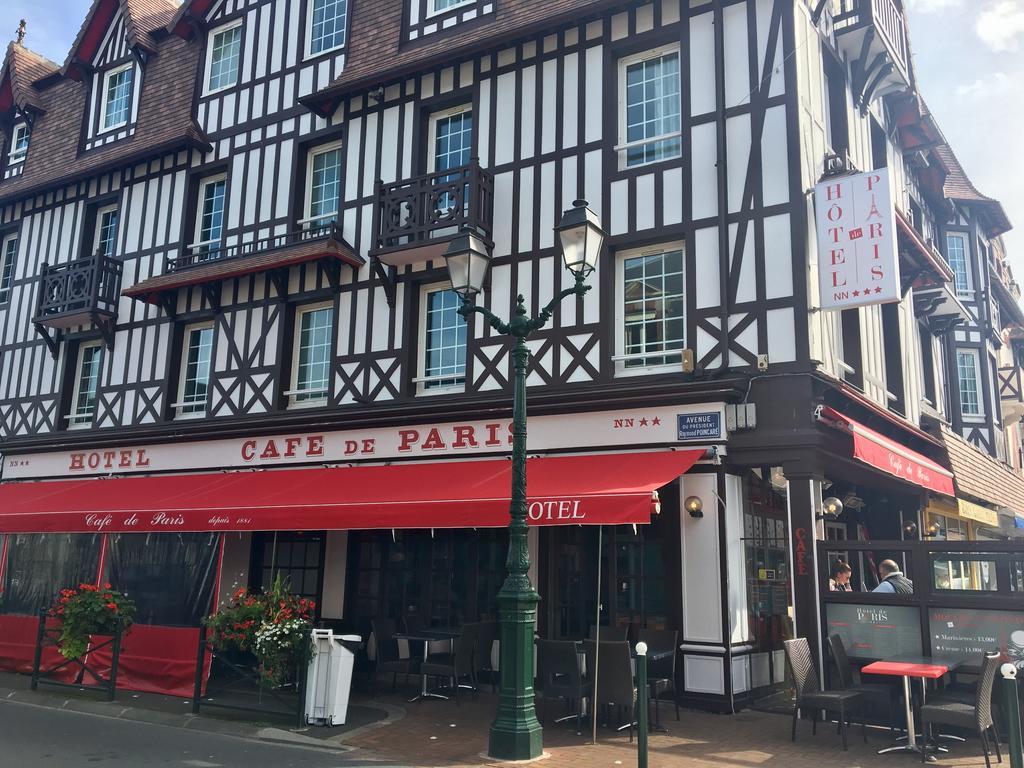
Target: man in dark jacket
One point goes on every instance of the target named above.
(893, 580)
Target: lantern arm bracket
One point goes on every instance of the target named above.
(579, 289)
(469, 308)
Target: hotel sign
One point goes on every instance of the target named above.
(857, 252)
(576, 431)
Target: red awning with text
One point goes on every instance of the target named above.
(606, 489)
(890, 457)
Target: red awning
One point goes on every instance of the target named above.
(609, 489)
(890, 457)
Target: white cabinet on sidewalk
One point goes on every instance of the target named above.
(329, 679)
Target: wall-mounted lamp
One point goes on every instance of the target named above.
(831, 508)
(694, 506)
(932, 530)
(910, 529)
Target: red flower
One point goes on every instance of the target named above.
(112, 607)
(106, 586)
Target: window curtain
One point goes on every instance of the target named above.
(40, 565)
(170, 576)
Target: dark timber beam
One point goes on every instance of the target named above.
(388, 276)
(52, 342)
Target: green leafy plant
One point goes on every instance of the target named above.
(89, 610)
(274, 626)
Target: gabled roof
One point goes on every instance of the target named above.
(378, 54)
(21, 69)
(959, 187)
(190, 9)
(145, 22)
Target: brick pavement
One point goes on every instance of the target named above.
(439, 733)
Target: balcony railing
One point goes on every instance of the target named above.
(79, 292)
(205, 253)
(885, 20)
(414, 218)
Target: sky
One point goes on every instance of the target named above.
(968, 58)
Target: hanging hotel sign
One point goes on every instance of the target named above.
(574, 431)
(857, 255)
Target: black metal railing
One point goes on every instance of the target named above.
(414, 211)
(206, 254)
(48, 636)
(85, 286)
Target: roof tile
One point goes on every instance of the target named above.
(980, 476)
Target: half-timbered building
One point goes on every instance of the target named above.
(223, 290)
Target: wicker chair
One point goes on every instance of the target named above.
(809, 695)
(614, 681)
(661, 674)
(976, 716)
(886, 695)
(459, 664)
(388, 659)
(558, 671)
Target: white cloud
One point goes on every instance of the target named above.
(998, 83)
(1001, 24)
(933, 6)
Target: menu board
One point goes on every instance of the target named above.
(876, 631)
(966, 633)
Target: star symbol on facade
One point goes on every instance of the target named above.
(856, 293)
(656, 421)
(643, 422)
(878, 289)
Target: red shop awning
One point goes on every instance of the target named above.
(889, 456)
(609, 489)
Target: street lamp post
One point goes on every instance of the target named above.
(516, 732)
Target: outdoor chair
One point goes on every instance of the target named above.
(661, 675)
(609, 634)
(485, 647)
(975, 716)
(558, 671)
(809, 695)
(457, 665)
(880, 693)
(388, 658)
(614, 680)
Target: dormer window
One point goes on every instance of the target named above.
(429, 17)
(117, 97)
(223, 57)
(327, 22)
(19, 143)
(440, 6)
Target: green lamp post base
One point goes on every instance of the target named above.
(516, 732)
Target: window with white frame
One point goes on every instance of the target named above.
(958, 257)
(311, 358)
(194, 379)
(442, 341)
(223, 55)
(440, 6)
(651, 330)
(105, 237)
(19, 143)
(209, 216)
(650, 117)
(968, 375)
(327, 21)
(450, 146)
(323, 185)
(8, 254)
(87, 377)
(117, 97)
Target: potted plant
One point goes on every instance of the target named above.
(86, 611)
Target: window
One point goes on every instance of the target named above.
(222, 57)
(8, 252)
(312, 357)
(323, 184)
(651, 330)
(19, 143)
(83, 400)
(440, 6)
(105, 238)
(956, 255)
(194, 381)
(117, 97)
(967, 371)
(450, 147)
(209, 216)
(442, 341)
(892, 344)
(650, 113)
(327, 25)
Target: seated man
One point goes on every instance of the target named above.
(893, 581)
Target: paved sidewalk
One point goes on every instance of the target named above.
(439, 733)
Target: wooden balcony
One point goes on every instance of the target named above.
(873, 35)
(415, 218)
(81, 292)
